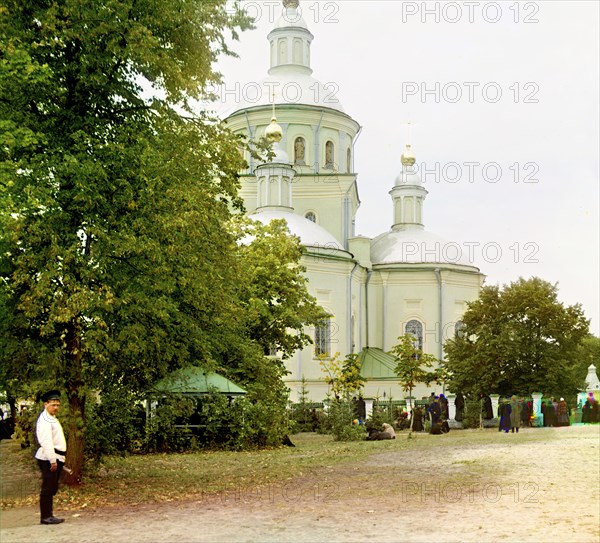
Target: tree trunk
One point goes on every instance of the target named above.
(76, 440)
(76, 397)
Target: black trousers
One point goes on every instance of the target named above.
(49, 486)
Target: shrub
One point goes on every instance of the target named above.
(339, 419)
(115, 424)
(473, 412)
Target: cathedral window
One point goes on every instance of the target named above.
(348, 160)
(459, 329)
(299, 151)
(415, 329)
(323, 338)
(329, 155)
(311, 217)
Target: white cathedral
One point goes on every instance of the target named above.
(375, 290)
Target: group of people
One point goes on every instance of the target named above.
(436, 412)
(556, 413)
(589, 410)
(513, 413)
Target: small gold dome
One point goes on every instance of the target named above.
(408, 158)
(290, 3)
(273, 132)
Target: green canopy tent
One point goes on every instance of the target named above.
(195, 381)
(191, 382)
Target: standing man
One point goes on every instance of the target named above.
(51, 454)
(515, 414)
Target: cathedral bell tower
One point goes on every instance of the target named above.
(290, 42)
(408, 195)
(274, 179)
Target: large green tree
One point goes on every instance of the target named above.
(413, 366)
(115, 263)
(517, 339)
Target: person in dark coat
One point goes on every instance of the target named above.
(435, 412)
(562, 413)
(504, 414)
(548, 413)
(592, 409)
(444, 407)
(459, 402)
(417, 423)
(526, 414)
(515, 414)
(488, 412)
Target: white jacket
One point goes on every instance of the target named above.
(50, 436)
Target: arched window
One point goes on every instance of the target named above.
(348, 160)
(311, 217)
(323, 338)
(415, 328)
(459, 329)
(299, 151)
(329, 155)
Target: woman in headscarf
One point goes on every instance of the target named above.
(562, 413)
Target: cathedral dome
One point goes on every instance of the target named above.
(408, 177)
(412, 244)
(310, 233)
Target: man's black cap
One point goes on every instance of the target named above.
(51, 395)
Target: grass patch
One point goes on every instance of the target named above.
(192, 476)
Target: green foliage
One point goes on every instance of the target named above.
(343, 377)
(519, 339)
(112, 202)
(472, 414)
(345, 381)
(120, 258)
(384, 411)
(25, 428)
(413, 363)
(338, 422)
(165, 429)
(273, 288)
(115, 424)
(305, 414)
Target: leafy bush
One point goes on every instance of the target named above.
(115, 424)
(338, 421)
(383, 412)
(473, 412)
(305, 415)
(166, 428)
(25, 427)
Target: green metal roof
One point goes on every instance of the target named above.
(377, 364)
(194, 381)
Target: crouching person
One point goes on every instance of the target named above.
(387, 433)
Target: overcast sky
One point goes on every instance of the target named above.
(503, 103)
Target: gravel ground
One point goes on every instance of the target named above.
(513, 489)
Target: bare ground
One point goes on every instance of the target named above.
(515, 488)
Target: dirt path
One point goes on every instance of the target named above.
(538, 485)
